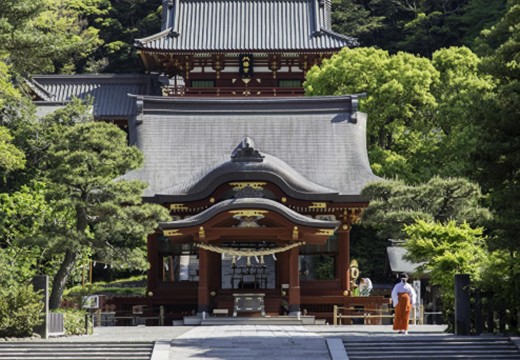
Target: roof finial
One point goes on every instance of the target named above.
(245, 152)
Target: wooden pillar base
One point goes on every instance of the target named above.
(203, 301)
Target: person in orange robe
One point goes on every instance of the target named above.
(403, 298)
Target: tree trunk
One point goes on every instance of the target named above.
(58, 284)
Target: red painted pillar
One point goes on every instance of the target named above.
(153, 258)
(203, 293)
(344, 257)
(294, 280)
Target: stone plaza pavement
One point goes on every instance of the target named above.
(250, 341)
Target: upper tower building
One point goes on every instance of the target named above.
(240, 47)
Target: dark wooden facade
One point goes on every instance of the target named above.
(251, 204)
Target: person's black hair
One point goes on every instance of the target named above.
(403, 277)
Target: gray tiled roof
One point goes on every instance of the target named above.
(320, 138)
(271, 168)
(110, 92)
(253, 203)
(246, 25)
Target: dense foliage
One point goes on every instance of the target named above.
(422, 111)
(66, 202)
(74, 322)
(20, 305)
(416, 26)
(498, 161)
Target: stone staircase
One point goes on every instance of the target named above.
(76, 351)
(245, 320)
(430, 347)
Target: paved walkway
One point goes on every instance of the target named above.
(250, 342)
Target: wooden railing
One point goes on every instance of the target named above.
(233, 91)
(372, 316)
(489, 314)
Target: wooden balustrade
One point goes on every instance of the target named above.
(232, 92)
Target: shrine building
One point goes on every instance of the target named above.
(263, 184)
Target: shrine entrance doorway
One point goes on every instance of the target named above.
(248, 273)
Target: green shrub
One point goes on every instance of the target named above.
(20, 310)
(74, 321)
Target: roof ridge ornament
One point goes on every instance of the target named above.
(246, 152)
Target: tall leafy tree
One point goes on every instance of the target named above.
(459, 93)
(119, 24)
(399, 101)
(79, 161)
(498, 158)
(395, 205)
(44, 35)
(11, 158)
(446, 249)
(416, 26)
(422, 113)
(105, 215)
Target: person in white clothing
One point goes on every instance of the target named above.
(365, 287)
(403, 299)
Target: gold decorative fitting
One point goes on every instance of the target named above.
(345, 227)
(318, 205)
(248, 213)
(325, 232)
(202, 233)
(179, 207)
(241, 185)
(295, 233)
(355, 215)
(173, 232)
(212, 200)
(354, 269)
(284, 199)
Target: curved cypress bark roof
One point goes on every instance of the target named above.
(314, 144)
(261, 167)
(249, 203)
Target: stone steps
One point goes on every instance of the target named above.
(279, 320)
(434, 348)
(76, 351)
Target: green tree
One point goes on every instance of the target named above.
(91, 212)
(376, 23)
(395, 205)
(446, 249)
(497, 161)
(11, 157)
(353, 18)
(399, 101)
(119, 24)
(20, 305)
(105, 215)
(45, 35)
(416, 26)
(422, 114)
(459, 94)
(498, 156)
